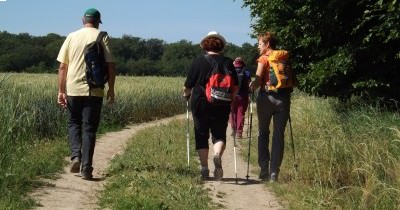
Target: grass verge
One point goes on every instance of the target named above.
(33, 142)
(348, 156)
(153, 174)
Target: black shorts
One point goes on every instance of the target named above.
(209, 118)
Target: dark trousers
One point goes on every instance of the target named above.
(276, 107)
(83, 121)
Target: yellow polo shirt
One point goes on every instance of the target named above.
(71, 53)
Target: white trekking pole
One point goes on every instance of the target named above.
(251, 125)
(234, 144)
(187, 131)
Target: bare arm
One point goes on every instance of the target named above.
(111, 82)
(62, 77)
(258, 78)
(187, 92)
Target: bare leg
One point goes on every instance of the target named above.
(219, 148)
(203, 156)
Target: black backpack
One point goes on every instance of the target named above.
(96, 66)
(244, 80)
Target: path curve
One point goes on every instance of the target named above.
(70, 192)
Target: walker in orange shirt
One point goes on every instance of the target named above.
(272, 103)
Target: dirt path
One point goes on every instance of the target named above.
(71, 192)
(246, 193)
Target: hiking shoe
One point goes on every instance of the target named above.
(264, 174)
(274, 177)
(75, 165)
(87, 174)
(205, 173)
(218, 172)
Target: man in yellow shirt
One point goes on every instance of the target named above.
(83, 103)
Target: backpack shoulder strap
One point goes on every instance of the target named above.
(101, 35)
(220, 65)
(210, 60)
(212, 63)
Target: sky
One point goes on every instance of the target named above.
(168, 20)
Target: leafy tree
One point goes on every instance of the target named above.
(340, 48)
(178, 57)
(248, 52)
(154, 49)
(128, 47)
(23, 52)
(142, 67)
(232, 50)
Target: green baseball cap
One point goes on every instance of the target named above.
(92, 13)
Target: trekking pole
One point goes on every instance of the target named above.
(291, 137)
(234, 144)
(248, 118)
(187, 131)
(250, 124)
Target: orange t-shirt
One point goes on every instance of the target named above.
(265, 74)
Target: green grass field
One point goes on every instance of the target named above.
(33, 140)
(348, 156)
(153, 173)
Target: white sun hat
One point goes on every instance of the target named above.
(213, 34)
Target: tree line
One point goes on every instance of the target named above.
(133, 55)
(338, 48)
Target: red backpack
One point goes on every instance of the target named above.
(219, 87)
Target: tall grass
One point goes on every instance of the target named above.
(142, 99)
(348, 156)
(28, 120)
(33, 129)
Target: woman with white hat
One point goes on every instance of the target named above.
(209, 117)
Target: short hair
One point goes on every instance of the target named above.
(91, 20)
(268, 37)
(213, 44)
